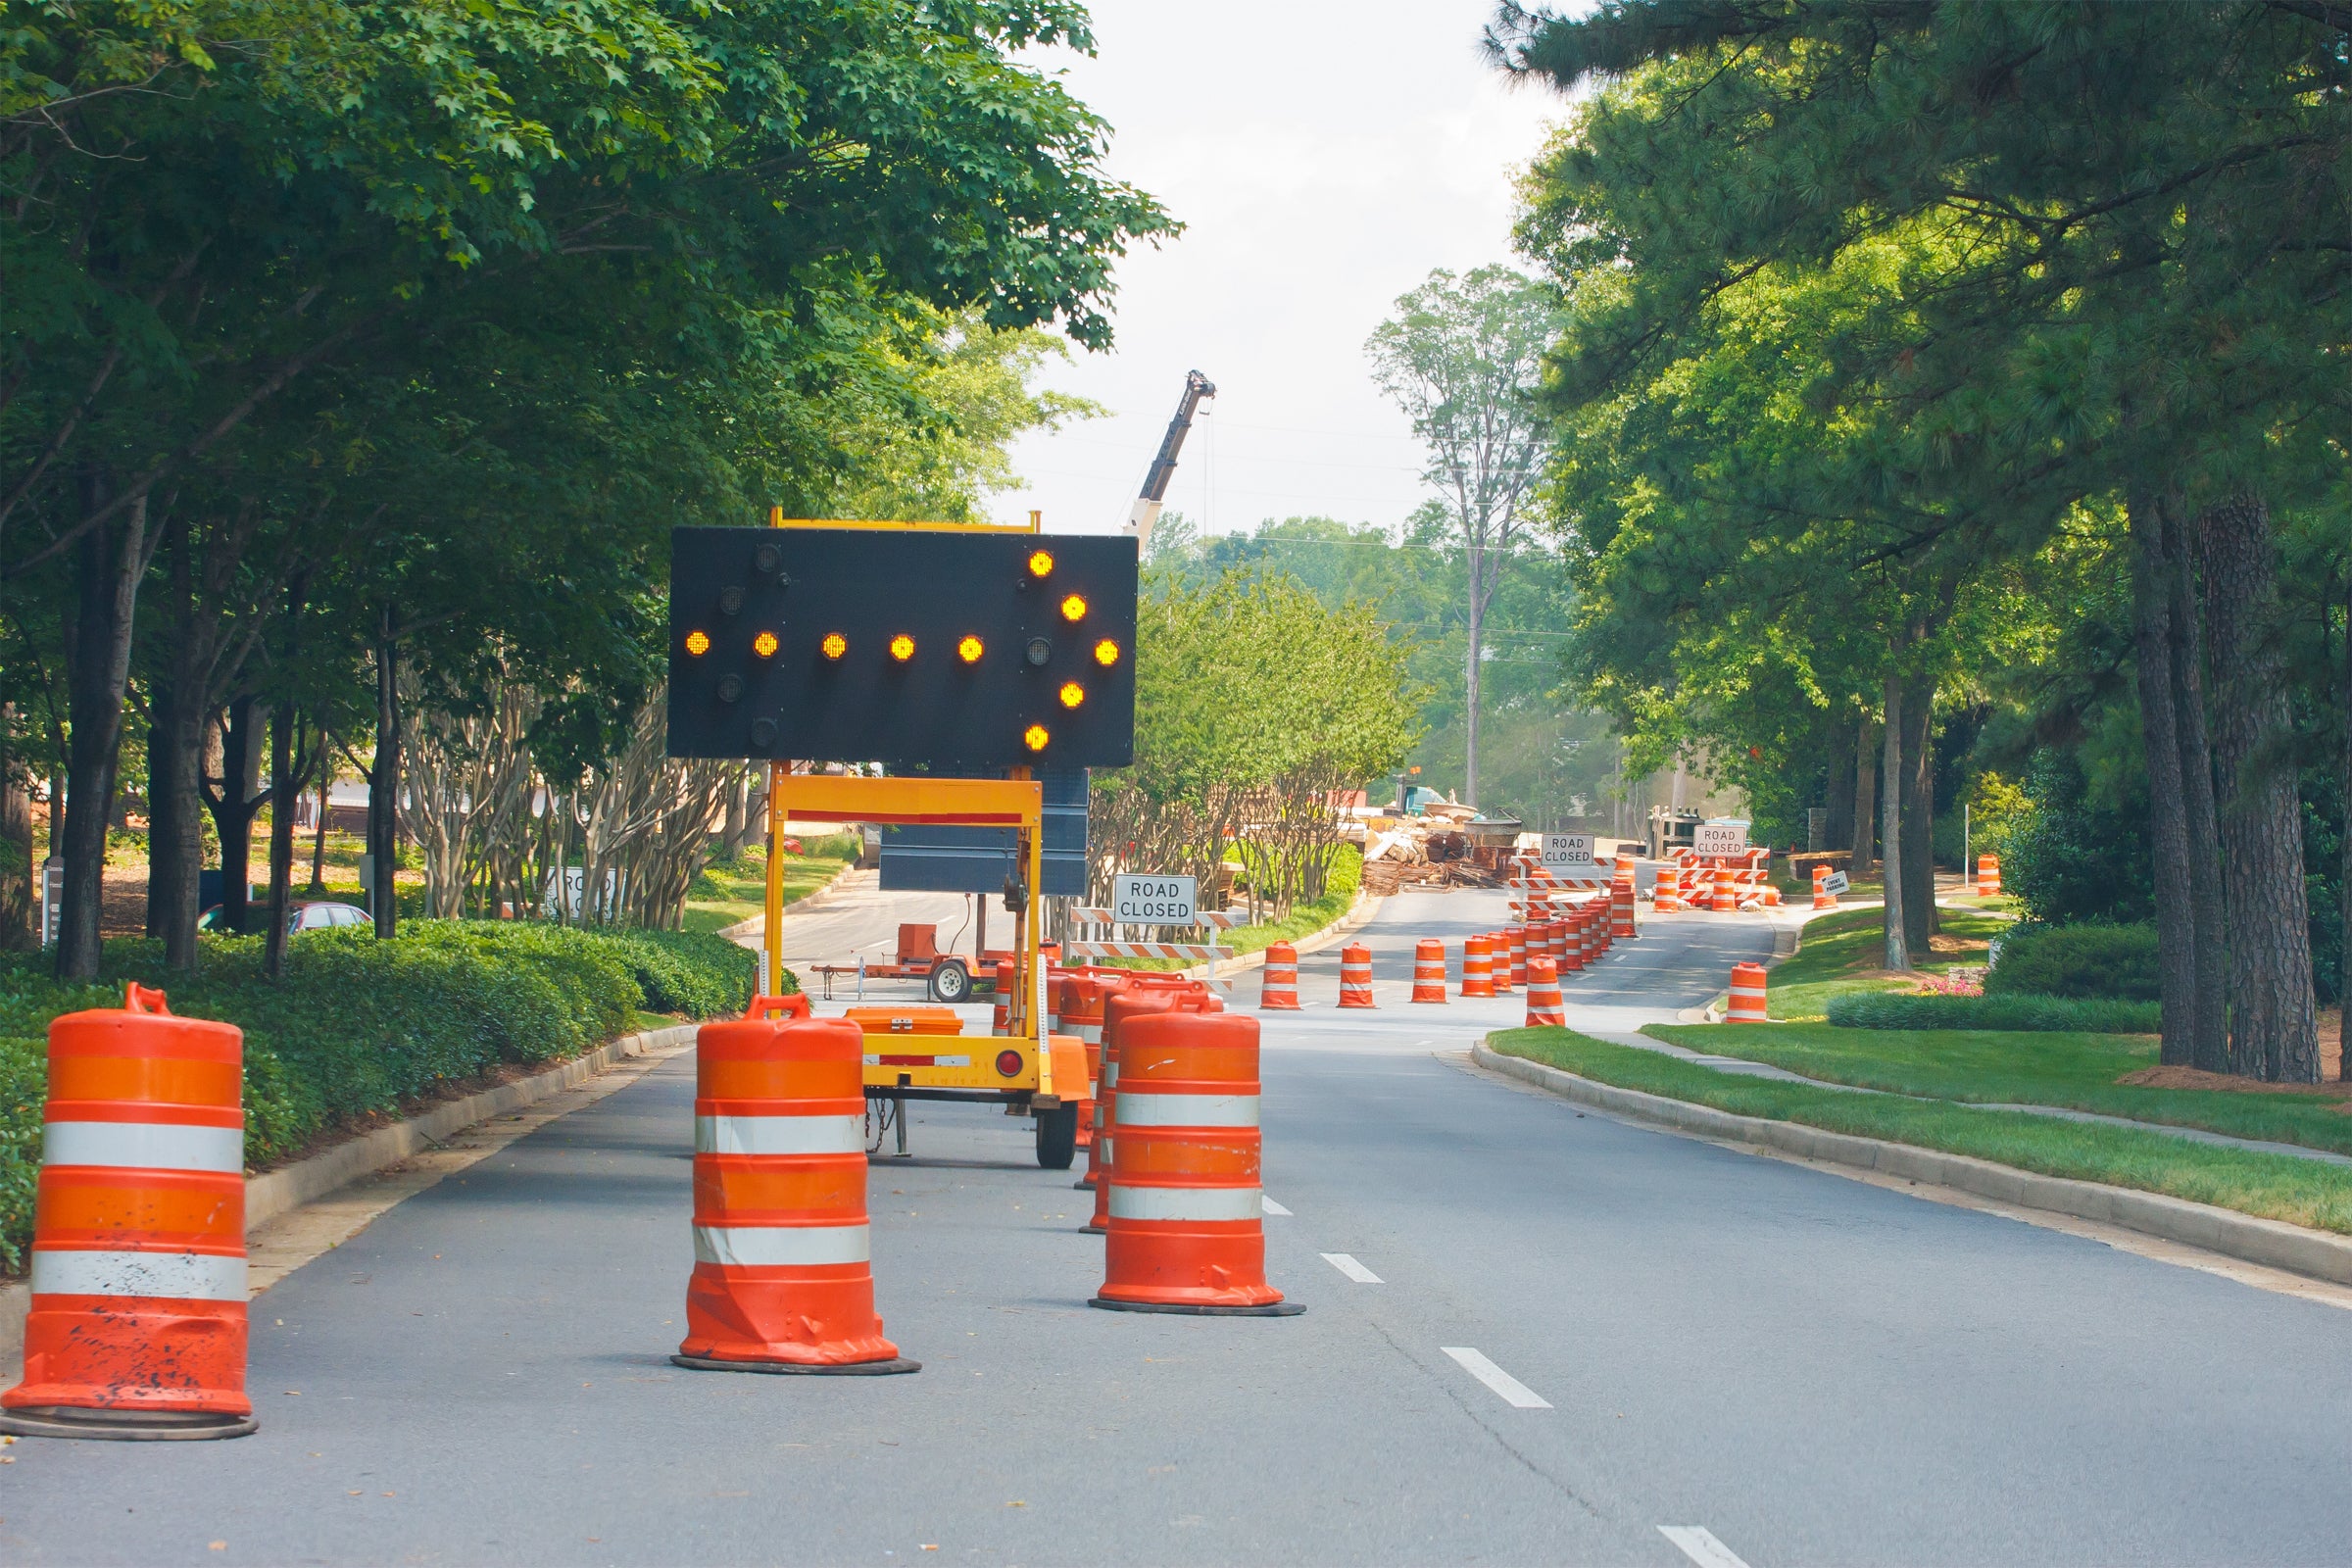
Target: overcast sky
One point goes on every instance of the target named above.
(1323, 159)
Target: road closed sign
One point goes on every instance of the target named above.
(1568, 852)
(1719, 838)
(1154, 900)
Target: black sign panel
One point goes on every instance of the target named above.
(934, 859)
(964, 653)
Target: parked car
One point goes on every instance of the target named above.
(303, 914)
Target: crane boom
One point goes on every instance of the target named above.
(1163, 466)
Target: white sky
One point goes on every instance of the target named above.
(1324, 159)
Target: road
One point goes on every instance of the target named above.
(1808, 1369)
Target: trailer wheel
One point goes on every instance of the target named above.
(1058, 1137)
(950, 981)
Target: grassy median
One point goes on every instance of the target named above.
(2280, 1186)
(1847, 951)
(2076, 1072)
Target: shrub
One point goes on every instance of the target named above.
(2076, 960)
(1883, 1010)
(356, 1026)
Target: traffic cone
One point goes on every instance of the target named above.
(1145, 994)
(1621, 903)
(1988, 876)
(1747, 994)
(1543, 1004)
(1186, 1223)
(1823, 897)
(1499, 943)
(1355, 976)
(137, 1322)
(1280, 993)
(1572, 940)
(1517, 937)
(1429, 970)
(1726, 897)
(1084, 993)
(1478, 967)
(783, 1279)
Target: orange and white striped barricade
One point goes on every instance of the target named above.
(1186, 1213)
(137, 1322)
(783, 1277)
(1355, 976)
(1142, 996)
(1543, 1004)
(1478, 967)
(1499, 943)
(1747, 994)
(1823, 897)
(1280, 993)
(1988, 876)
(1429, 970)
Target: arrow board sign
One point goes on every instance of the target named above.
(1568, 852)
(1154, 900)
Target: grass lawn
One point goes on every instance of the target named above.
(1844, 951)
(2280, 1186)
(735, 890)
(2077, 1071)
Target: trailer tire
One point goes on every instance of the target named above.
(1058, 1137)
(951, 982)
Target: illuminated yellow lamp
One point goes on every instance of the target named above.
(1034, 737)
(765, 645)
(835, 645)
(969, 650)
(1074, 607)
(697, 643)
(1107, 653)
(1072, 694)
(1040, 562)
(902, 648)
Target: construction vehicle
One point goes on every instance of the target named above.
(1197, 389)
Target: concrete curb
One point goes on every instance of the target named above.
(288, 1188)
(2271, 1242)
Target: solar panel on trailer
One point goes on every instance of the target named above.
(959, 653)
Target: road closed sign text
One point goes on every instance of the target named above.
(1153, 899)
(1719, 838)
(1565, 851)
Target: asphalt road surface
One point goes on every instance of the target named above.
(1532, 1335)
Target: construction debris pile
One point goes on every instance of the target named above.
(1447, 846)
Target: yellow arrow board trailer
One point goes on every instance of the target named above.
(921, 1052)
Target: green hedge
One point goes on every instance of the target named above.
(2076, 960)
(358, 1026)
(1884, 1009)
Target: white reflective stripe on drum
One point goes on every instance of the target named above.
(1093, 1090)
(1110, 1073)
(152, 1144)
(1140, 1109)
(1185, 1202)
(1091, 1033)
(758, 1245)
(779, 1135)
(179, 1276)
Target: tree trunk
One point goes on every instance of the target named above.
(1918, 816)
(1866, 799)
(234, 806)
(1890, 829)
(1837, 826)
(383, 786)
(1478, 621)
(2274, 1030)
(327, 779)
(2343, 839)
(113, 558)
(17, 932)
(2209, 1024)
(284, 789)
(2168, 808)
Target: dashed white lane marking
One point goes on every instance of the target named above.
(1513, 1392)
(1347, 1265)
(1271, 1206)
(1698, 1543)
